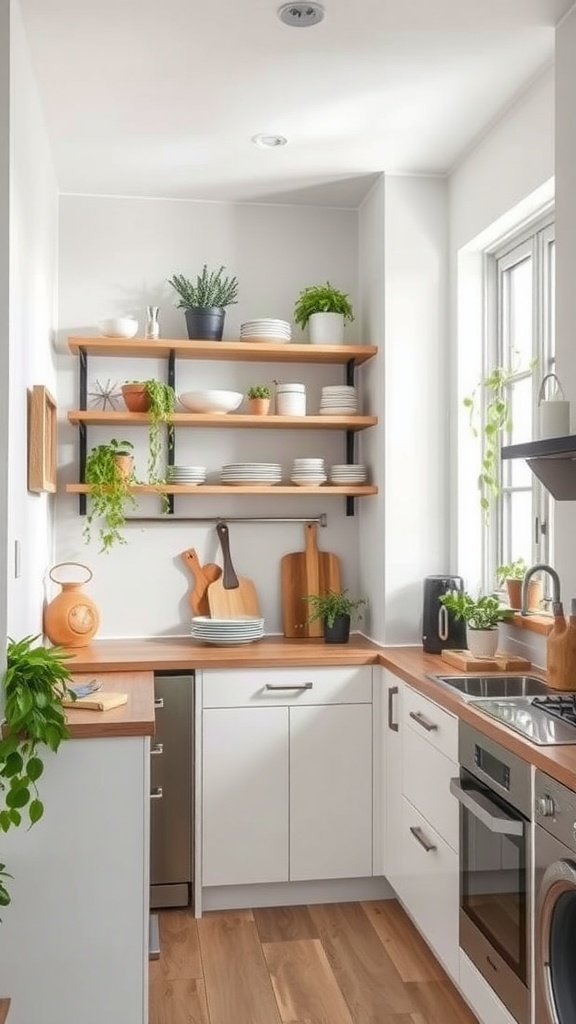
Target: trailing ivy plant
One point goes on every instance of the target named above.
(162, 401)
(110, 492)
(35, 683)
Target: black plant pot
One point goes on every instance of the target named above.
(205, 324)
(339, 633)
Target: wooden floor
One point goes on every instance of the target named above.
(343, 963)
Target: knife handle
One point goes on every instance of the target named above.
(229, 577)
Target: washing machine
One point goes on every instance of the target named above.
(555, 920)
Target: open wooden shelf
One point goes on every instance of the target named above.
(240, 351)
(97, 418)
(354, 491)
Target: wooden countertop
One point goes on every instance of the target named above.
(136, 718)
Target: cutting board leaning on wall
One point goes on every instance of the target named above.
(306, 572)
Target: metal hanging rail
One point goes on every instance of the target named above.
(321, 519)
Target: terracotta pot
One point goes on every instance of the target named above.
(259, 406)
(514, 590)
(125, 464)
(136, 397)
(71, 618)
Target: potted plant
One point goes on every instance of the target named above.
(481, 615)
(259, 399)
(158, 400)
(204, 301)
(513, 575)
(35, 683)
(325, 310)
(109, 475)
(335, 609)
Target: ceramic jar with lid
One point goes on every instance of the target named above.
(290, 399)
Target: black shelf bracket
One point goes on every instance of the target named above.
(82, 439)
(350, 503)
(170, 432)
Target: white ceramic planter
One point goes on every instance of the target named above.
(482, 643)
(326, 329)
(291, 399)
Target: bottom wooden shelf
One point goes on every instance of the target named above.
(355, 491)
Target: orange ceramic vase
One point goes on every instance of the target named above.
(72, 618)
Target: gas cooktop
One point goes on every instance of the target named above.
(549, 720)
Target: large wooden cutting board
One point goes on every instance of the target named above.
(306, 572)
(501, 662)
(232, 596)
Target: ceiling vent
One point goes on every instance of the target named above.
(301, 15)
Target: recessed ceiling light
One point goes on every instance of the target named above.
(269, 141)
(301, 15)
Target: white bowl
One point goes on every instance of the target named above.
(118, 327)
(211, 401)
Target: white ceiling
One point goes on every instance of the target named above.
(162, 97)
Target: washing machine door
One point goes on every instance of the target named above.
(555, 945)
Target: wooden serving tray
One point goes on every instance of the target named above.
(501, 662)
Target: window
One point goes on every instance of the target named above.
(521, 339)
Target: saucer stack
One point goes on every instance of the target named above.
(348, 474)
(340, 400)
(266, 330)
(308, 472)
(224, 632)
(251, 473)
(190, 475)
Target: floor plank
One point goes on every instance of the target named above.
(179, 945)
(181, 1001)
(439, 1001)
(368, 979)
(238, 986)
(281, 924)
(304, 984)
(406, 948)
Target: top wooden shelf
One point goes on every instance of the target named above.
(265, 352)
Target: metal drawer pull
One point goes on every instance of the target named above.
(392, 691)
(157, 749)
(159, 702)
(288, 686)
(156, 794)
(420, 838)
(419, 717)
(492, 816)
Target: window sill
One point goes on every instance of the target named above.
(533, 623)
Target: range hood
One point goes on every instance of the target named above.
(552, 460)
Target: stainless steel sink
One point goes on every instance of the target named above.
(491, 686)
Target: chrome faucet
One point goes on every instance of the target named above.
(540, 567)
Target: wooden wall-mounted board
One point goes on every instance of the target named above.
(42, 440)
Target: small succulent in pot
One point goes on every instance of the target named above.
(259, 391)
(259, 398)
(110, 476)
(204, 301)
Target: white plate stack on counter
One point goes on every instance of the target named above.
(347, 474)
(339, 400)
(278, 331)
(189, 475)
(308, 472)
(224, 632)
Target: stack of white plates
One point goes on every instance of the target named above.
(191, 475)
(340, 400)
(266, 330)
(348, 474)
(245, 473)
(308, 472)
(223, 632)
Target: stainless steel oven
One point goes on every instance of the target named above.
(495, 866)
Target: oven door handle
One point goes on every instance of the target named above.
(492, 816)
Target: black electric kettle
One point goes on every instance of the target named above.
(440, 629)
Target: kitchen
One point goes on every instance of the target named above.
(340, 243)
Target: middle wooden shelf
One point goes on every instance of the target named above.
(95, 418)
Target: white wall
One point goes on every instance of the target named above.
(4, 304)
(33, 265)
(115, 257)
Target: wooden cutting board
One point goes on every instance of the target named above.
(306, 572)
(501, 662)
(204, 575)
(231, 596)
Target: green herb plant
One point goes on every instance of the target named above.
(210, 289)
(259, 391)
(484, 612)
(35, 683)
(332, 605)
(321, 298)
(514, 571)
(110, 492)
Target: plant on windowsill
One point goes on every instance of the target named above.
(512, 576)
(481, 615)
(335, 609)
(324, 309)
(35, 683)
(110, 476)
(158, 400)
(204, 301)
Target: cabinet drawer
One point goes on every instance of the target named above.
(426, 774)
(273, 687)
(436, 725)
(428, 885)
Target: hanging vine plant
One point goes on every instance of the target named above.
(158, 400)
(35, 683)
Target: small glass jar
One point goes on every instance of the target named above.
(152, 325)
(290, 399)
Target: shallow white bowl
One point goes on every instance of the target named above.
(211, 401)
(118, 327)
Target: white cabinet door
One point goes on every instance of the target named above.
(244, 795)
(331, 791)
(392, 741)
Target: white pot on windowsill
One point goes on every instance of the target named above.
(482, 643)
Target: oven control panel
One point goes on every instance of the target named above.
(555, 809)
